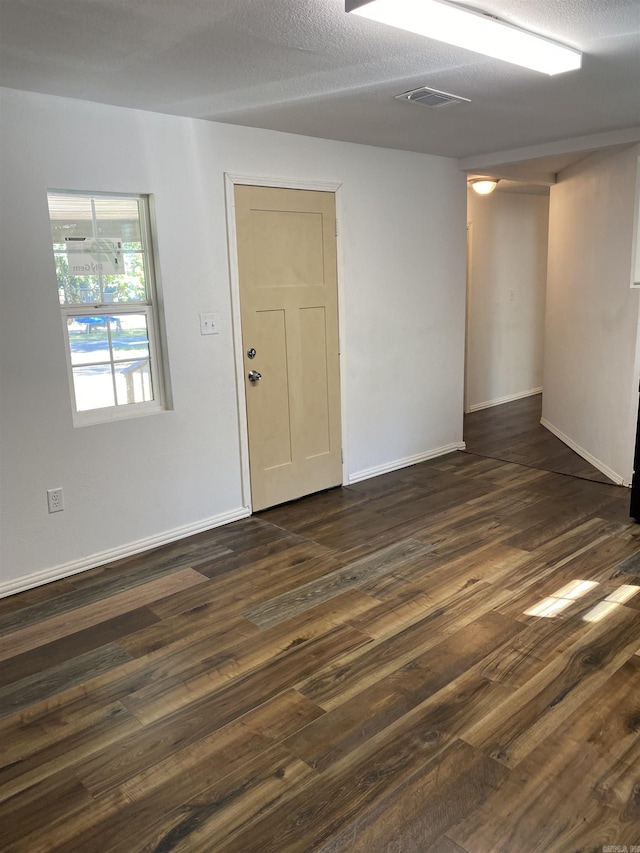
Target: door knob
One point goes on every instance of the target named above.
(254, 376)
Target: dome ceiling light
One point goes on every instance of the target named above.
(483, 186)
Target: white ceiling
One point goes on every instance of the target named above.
(305, 66)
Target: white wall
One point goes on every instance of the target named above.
(507, 284)
(591, 366)
(136, 482)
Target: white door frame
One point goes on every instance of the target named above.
(467, 316)
(231, 179)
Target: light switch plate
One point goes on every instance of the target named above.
(209, 324)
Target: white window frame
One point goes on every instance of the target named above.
(150, 308)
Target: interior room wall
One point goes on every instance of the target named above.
(590, 363)
(506, 296)
(139, 482)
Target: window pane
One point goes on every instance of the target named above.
(130, 287)
(93, 387)
(89, 340)
(133, 382)
(119, 219)
(70, 216)
(130, 338)
(75, 289)
(96, 218)
(105, 348)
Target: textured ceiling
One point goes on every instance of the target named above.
(304, 66)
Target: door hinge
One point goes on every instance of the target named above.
(336, 227)
(342, 455)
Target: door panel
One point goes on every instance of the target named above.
(270, 340)
(289, 310)
(287, 248)
(316, 438)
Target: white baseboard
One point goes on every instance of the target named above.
(75, 567)
(367, 473)
(500, 400)
(612, 475)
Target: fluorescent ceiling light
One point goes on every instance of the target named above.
(470, 29)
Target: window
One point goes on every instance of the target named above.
(106, 288)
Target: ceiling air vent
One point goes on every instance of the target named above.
(432, 98)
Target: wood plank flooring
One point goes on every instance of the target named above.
(445, 658)
(512, 432)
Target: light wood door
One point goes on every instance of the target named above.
(289, 309)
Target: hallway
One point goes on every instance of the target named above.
(513, 433)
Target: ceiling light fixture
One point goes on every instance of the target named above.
(472, 30)
(483, 186)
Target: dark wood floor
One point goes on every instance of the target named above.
(445, 658)
(512, 432)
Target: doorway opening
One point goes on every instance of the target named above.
(507, 240)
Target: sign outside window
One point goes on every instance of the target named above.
(89, 256)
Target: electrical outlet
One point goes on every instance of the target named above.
(209, 324)
(55, 500)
